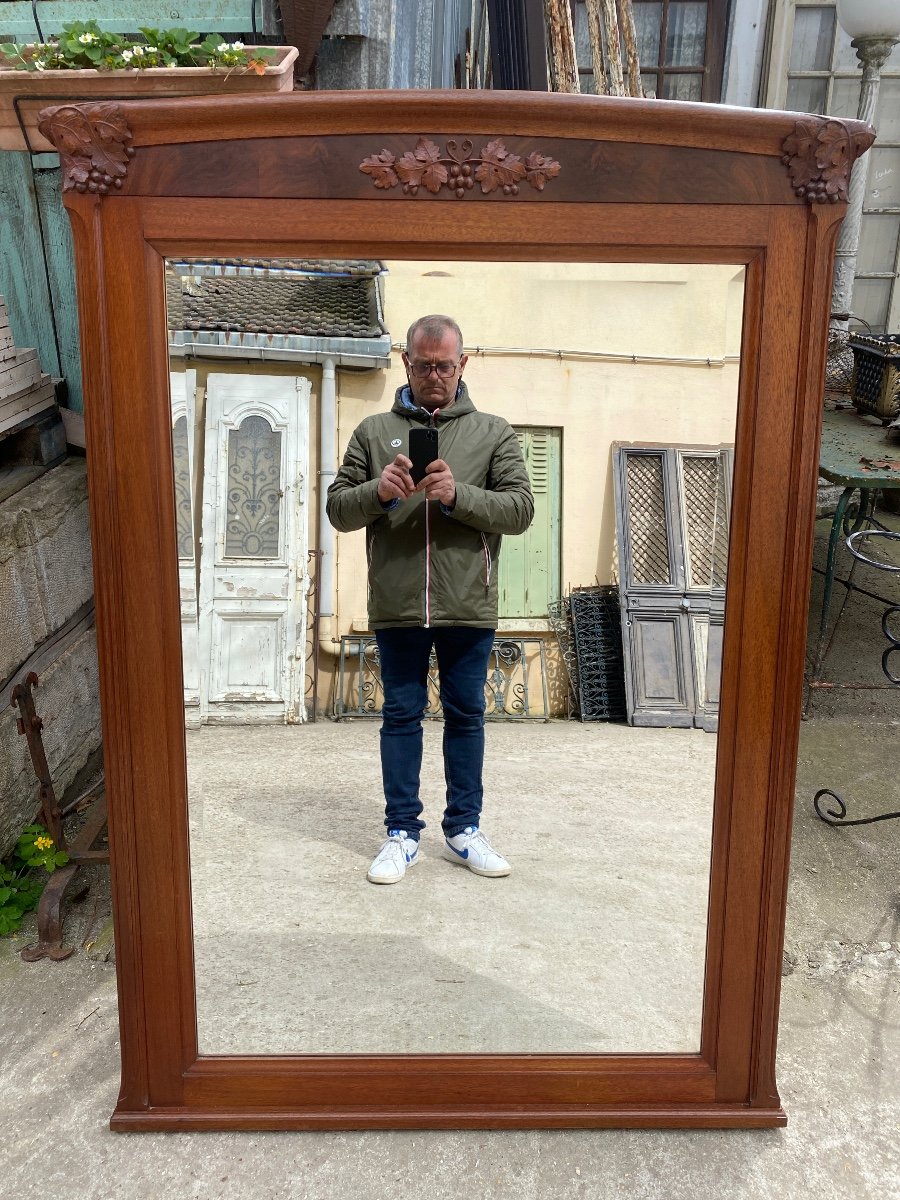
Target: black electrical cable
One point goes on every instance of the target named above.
(37, 23)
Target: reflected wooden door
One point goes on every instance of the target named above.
(253, 581)
(672, 506)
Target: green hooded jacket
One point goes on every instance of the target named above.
(428, 565)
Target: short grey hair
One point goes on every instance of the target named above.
(434, 327)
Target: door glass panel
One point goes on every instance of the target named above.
(844, 55)
(877, 242)
(253, 516)
(583, 55)
(647, 25)
(844, 97)
(813, 34)
(870, 302)
(649, 83)
(686, 35)
(682, 87)
(884, 178)
(807, 95)
(887, 118)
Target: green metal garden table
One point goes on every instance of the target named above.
(857, 455)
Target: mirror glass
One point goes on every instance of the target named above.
(620, 381)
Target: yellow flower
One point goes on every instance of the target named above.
(43, 843)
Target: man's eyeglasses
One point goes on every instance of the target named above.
(422, 370)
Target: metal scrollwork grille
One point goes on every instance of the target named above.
(253, 515)
(649, 538)
(506, 687)
(183, 509)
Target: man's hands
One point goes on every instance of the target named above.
(439, 483)
(396, 482)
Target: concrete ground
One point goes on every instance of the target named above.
(838, 1060)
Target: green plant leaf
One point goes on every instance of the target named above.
(60, 858)
(5, 894)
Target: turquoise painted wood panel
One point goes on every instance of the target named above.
(60, 268)
(207, 16)
(530, 564)
(23, 277)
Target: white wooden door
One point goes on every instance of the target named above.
(183, 387)
(253, 577)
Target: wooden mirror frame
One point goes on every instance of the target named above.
(321, 175)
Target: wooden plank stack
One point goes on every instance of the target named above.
(24, 389)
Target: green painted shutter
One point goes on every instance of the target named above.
(529, 564)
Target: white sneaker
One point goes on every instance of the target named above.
(472, 849)
(398, 852)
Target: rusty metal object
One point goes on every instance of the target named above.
(80, 850)
(30, 725)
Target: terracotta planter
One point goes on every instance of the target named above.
(36, 90)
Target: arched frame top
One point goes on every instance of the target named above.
(313, 175)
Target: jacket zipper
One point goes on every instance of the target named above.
(488, 563)
(428, 547)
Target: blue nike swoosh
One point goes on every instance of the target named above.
(461, 853)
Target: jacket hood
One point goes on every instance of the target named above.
(405, 406)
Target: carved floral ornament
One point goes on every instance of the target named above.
(495, 168)
(819, 155)
(91, 141)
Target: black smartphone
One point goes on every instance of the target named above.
(423, 449)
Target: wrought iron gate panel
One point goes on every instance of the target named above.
(506, 686)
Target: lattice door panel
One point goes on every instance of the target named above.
(649, 536)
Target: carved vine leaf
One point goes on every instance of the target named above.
(540, 169)
(819, 155)
(500, 169)
(495, 168)
(422, 166)
(91, 140)
(381, 168)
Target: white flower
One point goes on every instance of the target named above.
(86, 39)
(237, 45)
(222, 48)
(153, 49)
(138, 51)
(172, 65)
(127, 55)
(38, 65)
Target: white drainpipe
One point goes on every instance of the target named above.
(327, 471)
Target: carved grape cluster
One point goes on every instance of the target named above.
(91, 141)
(461, 173)
(100, 181)
(819, 155)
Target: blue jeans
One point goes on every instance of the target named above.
(462, 656)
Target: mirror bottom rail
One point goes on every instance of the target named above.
(570, 1116)
(447, 1092)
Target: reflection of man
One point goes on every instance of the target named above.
(432, 553)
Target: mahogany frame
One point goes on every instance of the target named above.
(637, 180)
